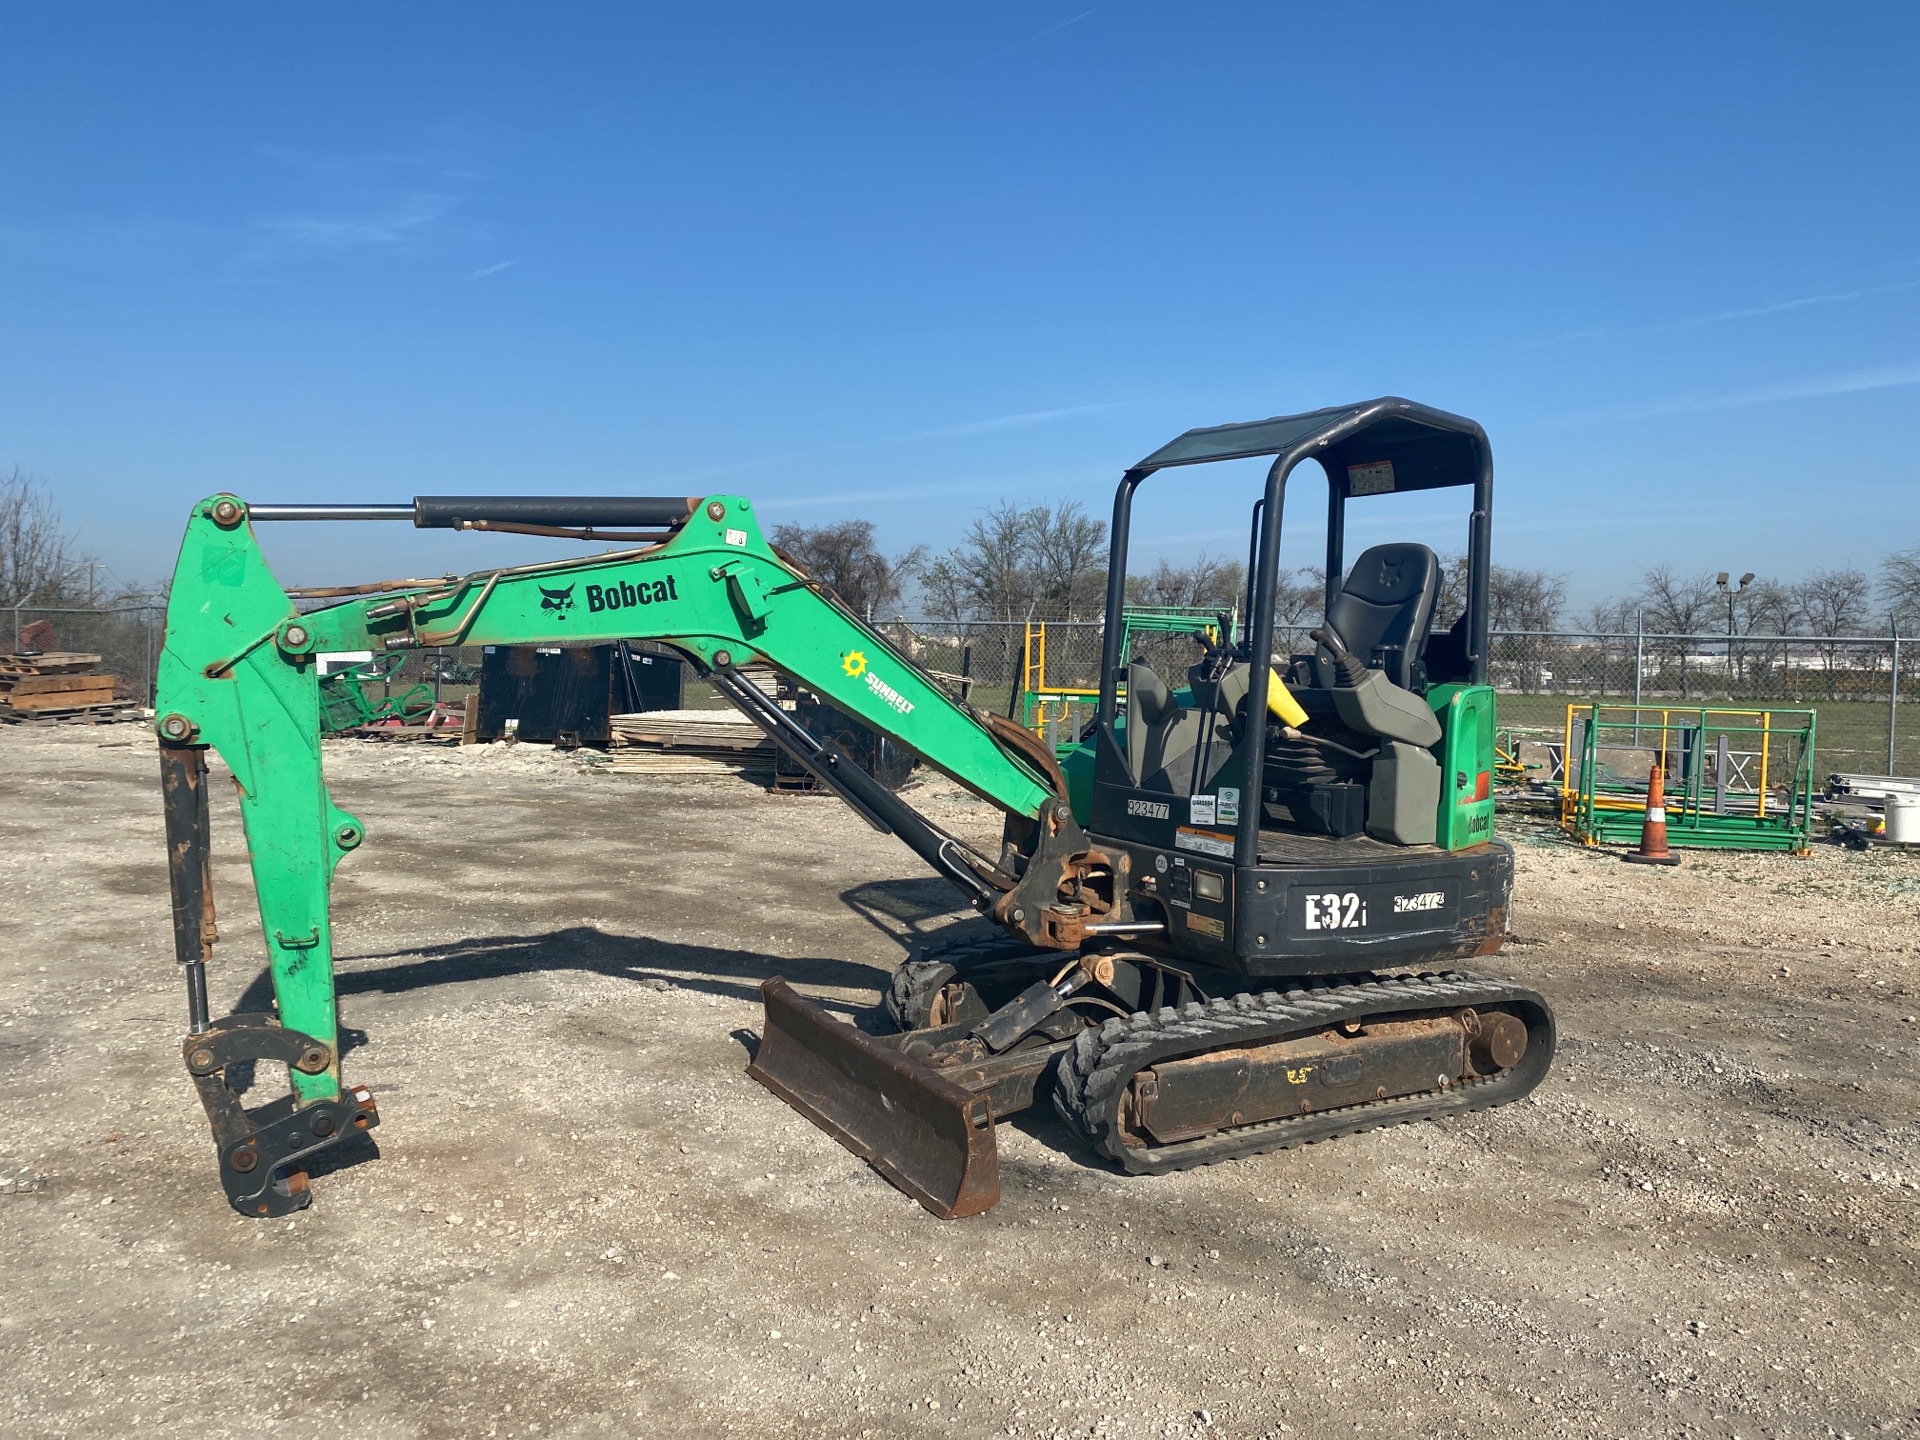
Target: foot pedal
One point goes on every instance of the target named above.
(261, 1151)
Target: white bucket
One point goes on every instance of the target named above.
(1903, 819)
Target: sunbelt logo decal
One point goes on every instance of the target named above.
(854, 662)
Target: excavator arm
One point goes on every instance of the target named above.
(238, 675)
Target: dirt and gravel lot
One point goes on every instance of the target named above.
(585, 1221)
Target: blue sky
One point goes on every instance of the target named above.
(901, 261)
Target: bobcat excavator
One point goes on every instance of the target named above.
(1215, 930)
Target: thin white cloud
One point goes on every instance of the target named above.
(1035, 38)
(493, 269)
(1000, 422)
(405, 223)
(1848, 382)
(1748, 312)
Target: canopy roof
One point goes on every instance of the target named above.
(1369, 447)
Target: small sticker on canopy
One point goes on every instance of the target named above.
(1375, 478)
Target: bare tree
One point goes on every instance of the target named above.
(1834, 603)
(1765, 607)
(1451, 601)
(1678, 605)
(1524, 599)
(1900, 584)
(36, 553)
(1209, 581)
(844, 558)
(1069, 553)
(1611, 617)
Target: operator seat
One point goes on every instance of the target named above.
(1167, 744)
(1368, 676)
(1383, 613)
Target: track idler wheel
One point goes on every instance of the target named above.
(925, 994)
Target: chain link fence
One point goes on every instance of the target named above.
(125, 637)
(1864, 690)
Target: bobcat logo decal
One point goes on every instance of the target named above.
(556, 602)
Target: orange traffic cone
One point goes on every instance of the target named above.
(1653, 830)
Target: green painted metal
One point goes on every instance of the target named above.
(345, 703)
(1600, 809)
(237, 673)
(1466, 715)
(224, 674)
(1134, 620)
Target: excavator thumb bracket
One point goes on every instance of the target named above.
(929, 1136)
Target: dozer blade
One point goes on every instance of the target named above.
(928, 1135)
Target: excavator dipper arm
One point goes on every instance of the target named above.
(238, 675)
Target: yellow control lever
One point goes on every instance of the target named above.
(1280, 702)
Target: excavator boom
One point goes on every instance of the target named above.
(237, 675)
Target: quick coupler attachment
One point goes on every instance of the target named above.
(262, 1151)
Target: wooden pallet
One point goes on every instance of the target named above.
(76, 715)
(46, 662)
(716, 734)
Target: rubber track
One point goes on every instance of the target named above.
(931, 964)
(1092, 1080)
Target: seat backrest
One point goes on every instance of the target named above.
(1163, 736)
(1150, 707)
(1383, 613)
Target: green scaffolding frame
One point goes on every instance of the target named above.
(1749, 803)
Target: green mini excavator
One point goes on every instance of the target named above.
(1220, 927)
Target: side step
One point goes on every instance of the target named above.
(926, 1134)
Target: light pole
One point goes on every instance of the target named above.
(1727, 590)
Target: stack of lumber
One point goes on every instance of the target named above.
(57, 685)
(688, 742)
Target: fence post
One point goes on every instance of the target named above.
(1893, 693)
(1639, 654)
(16, 629)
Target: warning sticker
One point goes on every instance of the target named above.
(1204, 842)
(1372, 479)
(1207, 925)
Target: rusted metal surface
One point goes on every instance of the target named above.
(1011, 1079)
(1184, 1098)
(183, 793)
(259, 1151)
(1496, 932)
(926, 1134)
(1499, 1040)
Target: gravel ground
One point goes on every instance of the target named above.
(585, 1221)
